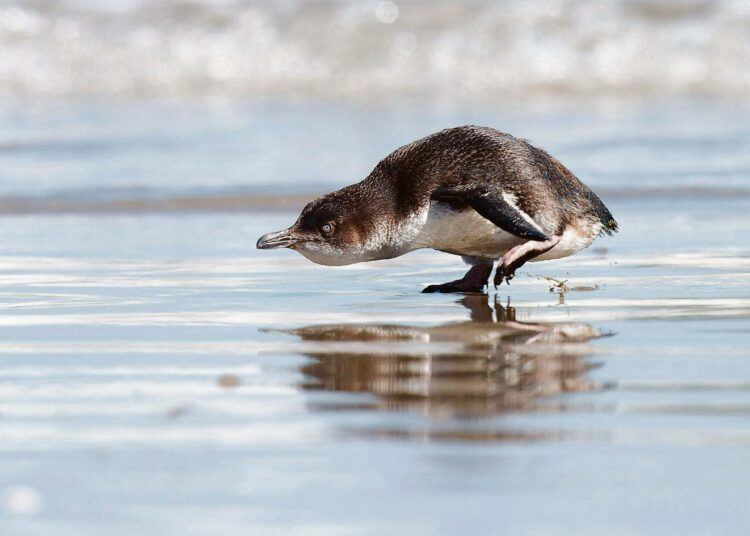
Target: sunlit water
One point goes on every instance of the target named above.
(347, 49)
(159, 375)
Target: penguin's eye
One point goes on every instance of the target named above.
(327, 228)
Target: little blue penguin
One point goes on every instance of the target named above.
(470, 191)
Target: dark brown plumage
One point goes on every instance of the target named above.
(430, 192)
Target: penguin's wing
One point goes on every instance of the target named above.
(496, 206)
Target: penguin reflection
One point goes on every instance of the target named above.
(488, 365)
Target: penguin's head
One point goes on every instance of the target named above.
(336, 229)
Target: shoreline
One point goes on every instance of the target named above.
(15, 205)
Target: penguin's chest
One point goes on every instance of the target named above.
(463, 232)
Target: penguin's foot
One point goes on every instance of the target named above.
(518, 256)
(474, 281)
(503, 273)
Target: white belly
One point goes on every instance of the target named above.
(466, 233)
(463, 232)
(574, 239)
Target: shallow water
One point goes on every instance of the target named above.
(362, 406)
(67, 155)
(159, 374)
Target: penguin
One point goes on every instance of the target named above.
(470, 191)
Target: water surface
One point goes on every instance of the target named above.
(158, 374)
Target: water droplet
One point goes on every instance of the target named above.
(22, 500)
(386, 12)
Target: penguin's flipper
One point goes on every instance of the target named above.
(495, 206)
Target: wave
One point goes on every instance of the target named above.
(368, 49)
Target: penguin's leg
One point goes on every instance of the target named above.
(474, 281)
(515, 257)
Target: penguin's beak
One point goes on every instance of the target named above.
(279, 239)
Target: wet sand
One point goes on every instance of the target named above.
(193, 385)
(160, 375)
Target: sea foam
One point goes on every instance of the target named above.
(364, 50)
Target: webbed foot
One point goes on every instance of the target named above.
(474, 281)
(518, 255)
(452, 286)
(504, 273)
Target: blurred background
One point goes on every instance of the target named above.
(141, 102)
(375, 50)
